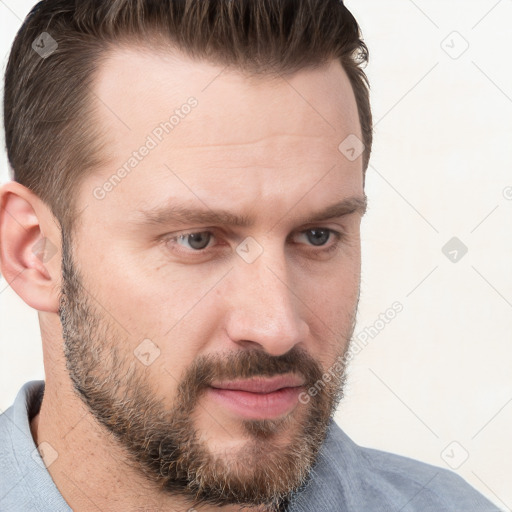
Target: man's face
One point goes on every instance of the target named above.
(160, 311)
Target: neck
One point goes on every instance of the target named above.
(104, 478)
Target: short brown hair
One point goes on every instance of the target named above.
(50, 137)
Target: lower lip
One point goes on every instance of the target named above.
(257, 406)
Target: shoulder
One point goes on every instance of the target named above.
(13, 443)
(373, 480)
(427, 486)
(25, 483)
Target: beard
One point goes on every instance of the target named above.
(161, 442)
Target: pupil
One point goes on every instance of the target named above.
(319, 235)
(197, 240)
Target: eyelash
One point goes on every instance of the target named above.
(339, 237)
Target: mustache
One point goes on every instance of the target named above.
(245, 364)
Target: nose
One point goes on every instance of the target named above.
(264, 307)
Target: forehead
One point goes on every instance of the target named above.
(138, 87)
(208, 127)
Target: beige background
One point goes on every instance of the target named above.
(434, 383)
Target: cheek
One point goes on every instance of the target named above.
(180, 309)
(332, 284)
(170, 314)
(331, 308)
(147, 296)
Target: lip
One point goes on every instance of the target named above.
(260, 384)
(258, 398)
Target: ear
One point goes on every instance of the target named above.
(30, 256)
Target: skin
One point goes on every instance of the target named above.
(266, 148)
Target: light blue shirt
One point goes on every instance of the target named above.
(346, 477)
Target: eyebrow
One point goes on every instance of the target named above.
(176, 213)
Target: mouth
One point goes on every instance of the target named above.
(258, 398)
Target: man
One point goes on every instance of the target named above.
(185, 218)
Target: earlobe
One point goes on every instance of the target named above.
(29, 242)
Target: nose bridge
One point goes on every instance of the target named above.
(264, 308)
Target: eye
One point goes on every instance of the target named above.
(199, 241)
(320, 236)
